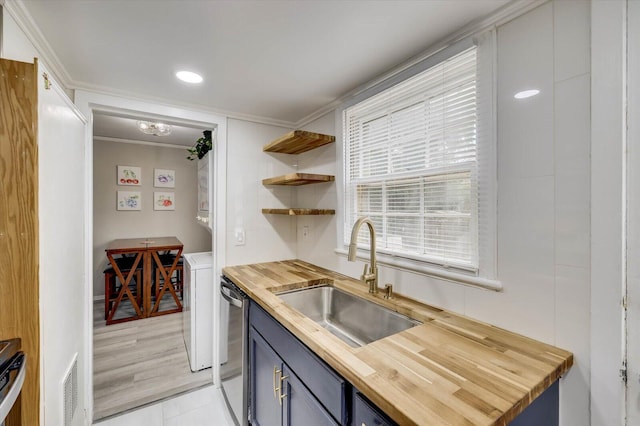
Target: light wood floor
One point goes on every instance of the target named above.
(139, 362)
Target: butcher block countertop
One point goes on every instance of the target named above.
(451, 370)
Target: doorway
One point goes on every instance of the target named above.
(142, 361)
(97, 107)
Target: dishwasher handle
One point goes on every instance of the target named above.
(12, 384)
(231, 295)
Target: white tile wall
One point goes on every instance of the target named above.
(572, 329)
(573, 197)
(322, 229)
(525, 126)
(525, 261)
(267, 237)
(544, 198)
(571, 23)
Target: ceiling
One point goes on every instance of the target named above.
(123, 127)
(275, 61)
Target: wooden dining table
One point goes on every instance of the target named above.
(145, 253)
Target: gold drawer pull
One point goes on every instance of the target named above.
(276, 371)
(282, 378)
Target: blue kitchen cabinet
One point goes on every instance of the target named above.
(367, 414)
(264, 365)
(317, 395)
(300, 407)
(277, 395)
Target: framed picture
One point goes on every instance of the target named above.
(129, 175)
(163, 178)
(129, 200)
(164, 201)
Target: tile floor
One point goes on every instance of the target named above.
(202, 407)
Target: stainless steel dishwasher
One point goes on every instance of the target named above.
(234, 320)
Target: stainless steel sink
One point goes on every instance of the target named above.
(354, 320)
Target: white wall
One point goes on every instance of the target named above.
(15, 44)
(62, 275)
(321, 236)
(543, 198)
(267, 237)
(61, 224)
(109, 223)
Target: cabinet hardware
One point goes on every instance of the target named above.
(276, 371)
(282, 379)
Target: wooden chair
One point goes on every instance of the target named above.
(176, 280)
(112, 286)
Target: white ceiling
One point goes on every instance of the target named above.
(124, 127)
(274, 60)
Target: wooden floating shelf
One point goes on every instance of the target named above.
(298, 141)
(297, 179)
(299, 212)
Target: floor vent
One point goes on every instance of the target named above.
(70, 392)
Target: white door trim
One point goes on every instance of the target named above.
(87, 103)
(633, 214)
(608, 210)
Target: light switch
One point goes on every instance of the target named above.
(239, 237)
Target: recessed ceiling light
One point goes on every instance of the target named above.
(526, 94)
(189, 77)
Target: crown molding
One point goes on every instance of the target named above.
(18, 11)
(23, 18)
(87, 87)
(25, 21)
(499, 17)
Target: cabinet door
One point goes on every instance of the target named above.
(366, 414)
(265, 372)
(300, 407)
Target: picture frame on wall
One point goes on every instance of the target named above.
(129, 175)
(164, 178)
(164, 201)
(129, 200)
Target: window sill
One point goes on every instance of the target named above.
(431, 271)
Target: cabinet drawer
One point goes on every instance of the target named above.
(328, 387)
(365, 414)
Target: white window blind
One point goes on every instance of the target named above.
(410, 163)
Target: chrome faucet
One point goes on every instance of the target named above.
(370, 274)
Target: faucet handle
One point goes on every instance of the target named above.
(388, 291)
(363, 277)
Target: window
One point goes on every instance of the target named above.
(411, 165)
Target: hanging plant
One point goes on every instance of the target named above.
(202, 146)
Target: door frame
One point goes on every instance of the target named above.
(632, 332)
(90, 102)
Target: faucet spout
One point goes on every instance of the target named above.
(369, 276)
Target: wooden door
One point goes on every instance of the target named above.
(19, 315)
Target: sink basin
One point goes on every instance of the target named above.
(354, 320)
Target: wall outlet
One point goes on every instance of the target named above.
(239, 237)
(305, 233)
